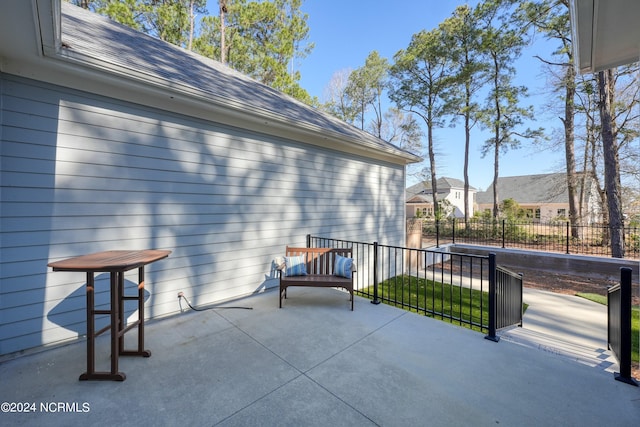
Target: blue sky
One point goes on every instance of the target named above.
(346, 31)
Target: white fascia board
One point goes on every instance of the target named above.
(49, 28)
(581, 12)
(604, 33)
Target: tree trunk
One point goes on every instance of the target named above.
(601, 193)
(192, 23)
(223, 44)
(611, 163)
(584, 180)
(379, 115)
(432, 164)
(362, 108)
(496, 168)
(496, 136)
(570, 156)
(496, 159)
(467, 141)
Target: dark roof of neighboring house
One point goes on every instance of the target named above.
(96, 41)
(529, 189)
(442, 184)
(426, 198)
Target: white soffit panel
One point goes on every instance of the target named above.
(606, 33)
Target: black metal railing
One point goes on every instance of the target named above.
(592, 239)
(505, 298)
(455, 287)
(619, 325)
(509, 292)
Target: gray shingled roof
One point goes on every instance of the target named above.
(528, 189)
(101, 42)
(443, 183)
(426, 198)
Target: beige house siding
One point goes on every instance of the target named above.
(544, 197)
(425, 209)
(540, 212)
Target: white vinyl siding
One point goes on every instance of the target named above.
(82, 173)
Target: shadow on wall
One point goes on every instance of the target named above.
(67, 315)
(94, 173)
(27, 181)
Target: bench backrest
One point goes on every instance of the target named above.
(319, 260)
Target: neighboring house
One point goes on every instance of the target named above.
(543, 197)
(420, 199)
(111, 139)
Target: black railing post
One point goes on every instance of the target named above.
(437, 233)
(609, 317)
(567, 237)
(308, 240)
(521, 298)
(503, 234)
(625, 328)
(492, 299)
(375, 274)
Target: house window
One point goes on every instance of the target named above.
(538, 213)
(424, 212)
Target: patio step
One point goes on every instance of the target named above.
(595, 357)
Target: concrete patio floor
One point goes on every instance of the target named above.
(316, 363)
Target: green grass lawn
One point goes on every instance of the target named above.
(635, 323)
(454, 304)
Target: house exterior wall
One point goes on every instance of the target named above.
(456, 198)
(547, 195)
(426, 210)
(543, 212)
(592, 207)
(83, 173)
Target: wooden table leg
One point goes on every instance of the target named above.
(91, 373)
(121, 312)
(140, 351)
(91, 364)
(116, 323)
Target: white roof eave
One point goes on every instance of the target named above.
(605, 33)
